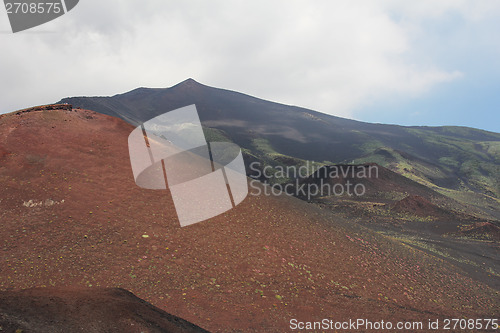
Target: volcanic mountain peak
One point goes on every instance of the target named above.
(185, 85)
(190, 82)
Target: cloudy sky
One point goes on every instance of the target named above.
(426, 62)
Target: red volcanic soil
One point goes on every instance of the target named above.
(481, 230)
(419, 206)
(54, 310)
(72, 216)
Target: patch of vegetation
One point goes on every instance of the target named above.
(370, 145)
(215, 135)
(455, 164)
(449, 161)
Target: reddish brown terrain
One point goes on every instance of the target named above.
(72, 216)
(481, 230)
(420, 206)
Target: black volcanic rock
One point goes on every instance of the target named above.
(292, 130)
(86, 310)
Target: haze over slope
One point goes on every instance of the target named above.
(72, 216)
(460, 162)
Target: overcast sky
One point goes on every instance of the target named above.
(426, 62)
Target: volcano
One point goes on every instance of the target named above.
(73, 217)
(446, 158)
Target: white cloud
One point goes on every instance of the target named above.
(333, 56)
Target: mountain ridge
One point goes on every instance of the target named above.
(460, 162)
(192, 83)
